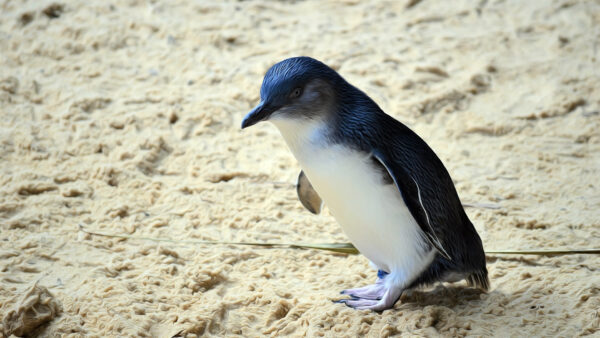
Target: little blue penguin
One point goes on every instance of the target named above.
(384, 185)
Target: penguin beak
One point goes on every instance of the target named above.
(259, 113)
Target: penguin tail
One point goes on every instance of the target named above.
(479, 280)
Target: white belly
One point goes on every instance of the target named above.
(372, 215)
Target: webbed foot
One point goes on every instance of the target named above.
(388, 300)
(376, 297)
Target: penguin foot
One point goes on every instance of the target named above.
(373, 292)
(390, 297)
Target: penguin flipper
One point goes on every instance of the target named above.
(308, 196)
(411, 194)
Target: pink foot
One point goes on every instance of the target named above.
(388, 300)
(373, 292)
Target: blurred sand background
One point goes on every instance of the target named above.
(123, 117)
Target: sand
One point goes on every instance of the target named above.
(123, 117)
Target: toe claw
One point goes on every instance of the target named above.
(360, 304)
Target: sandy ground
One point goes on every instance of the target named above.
(123, 117)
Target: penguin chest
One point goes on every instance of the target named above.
(367, 205)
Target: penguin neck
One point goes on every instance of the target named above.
(304, 136)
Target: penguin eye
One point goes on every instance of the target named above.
(296, 93)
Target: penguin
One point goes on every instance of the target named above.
(387, 189)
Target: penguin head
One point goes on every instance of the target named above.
(296, 89)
